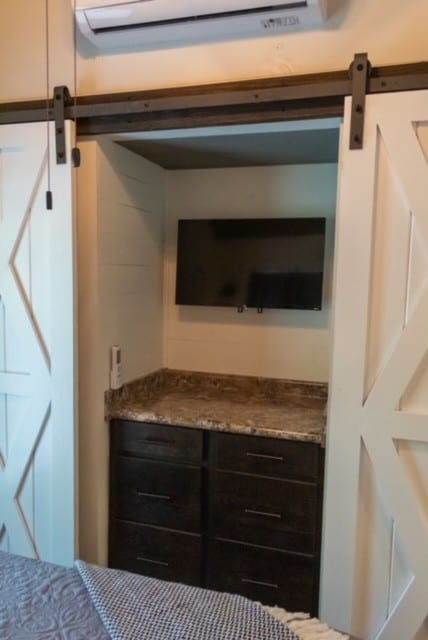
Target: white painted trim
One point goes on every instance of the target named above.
(64, 369)
(352, 251)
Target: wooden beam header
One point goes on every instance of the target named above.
(249, 101)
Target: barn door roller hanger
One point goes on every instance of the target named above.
(359, 72)
(61, 100)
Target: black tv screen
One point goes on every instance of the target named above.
(272, 263)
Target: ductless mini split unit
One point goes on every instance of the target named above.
(110, 24)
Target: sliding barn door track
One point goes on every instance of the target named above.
(277, 99)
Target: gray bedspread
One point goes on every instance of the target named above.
(41, 601)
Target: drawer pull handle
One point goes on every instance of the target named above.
(158, 441)
(259, 583)
(264, 456)
(160, 562)
(155, 496)
(263, 514)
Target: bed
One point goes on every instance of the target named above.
(41, 601)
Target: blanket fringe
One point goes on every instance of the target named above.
(305, 627)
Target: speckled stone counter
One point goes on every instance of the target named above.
(237, 404)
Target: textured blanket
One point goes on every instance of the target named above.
(41, 601)
(133, 607)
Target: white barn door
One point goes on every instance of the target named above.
(375, 545)
(37, 361)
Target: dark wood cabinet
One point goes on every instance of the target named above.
(156, 551)
(158, 493)
(289, 459)
(264, 574)
(264, 518)
(156, 500)
(265, 511)
(225, 511)
(156, 441)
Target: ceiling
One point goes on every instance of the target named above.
(190, 151)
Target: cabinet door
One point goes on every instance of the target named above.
(156, 552)
(266, 575)
(151, 440)
(159, 493)
(266, 456)
(265, 511)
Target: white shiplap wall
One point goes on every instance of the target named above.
(278, 343)
(131, 231)
(120, 245)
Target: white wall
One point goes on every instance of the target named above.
(278, 343)
(131, 231)
(391, 31)
(120, 245)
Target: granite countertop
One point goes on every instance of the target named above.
(255, 406)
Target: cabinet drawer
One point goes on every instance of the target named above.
(265, 511)
(156, 441)
(168, 555)
(268, 576)
(156, 493)
(266, 456)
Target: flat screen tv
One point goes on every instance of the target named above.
(267, 263)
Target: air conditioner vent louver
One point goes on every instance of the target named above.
(199, 18)
(111, 24)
